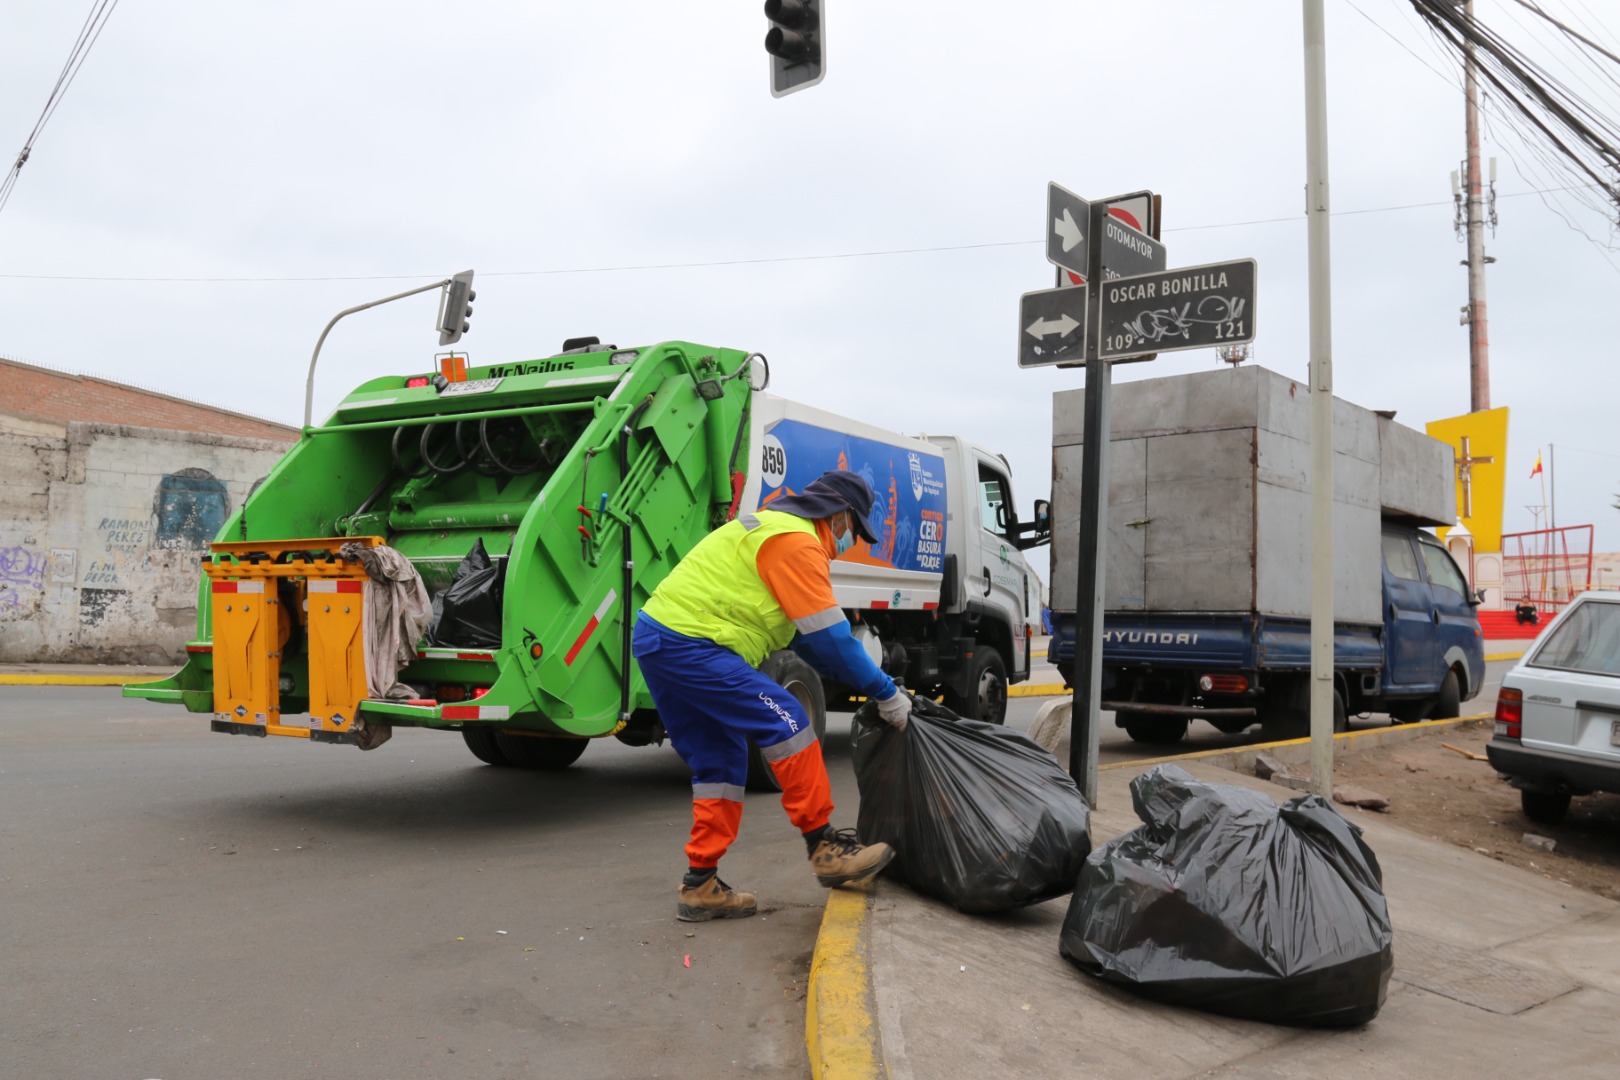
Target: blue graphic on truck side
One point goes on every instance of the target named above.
(908, 516)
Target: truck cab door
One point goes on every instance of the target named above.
(1456, 622)
(998, 582)
(1411, 642)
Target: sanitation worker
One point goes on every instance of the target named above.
(753, 586)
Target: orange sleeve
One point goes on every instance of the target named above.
(795, 568)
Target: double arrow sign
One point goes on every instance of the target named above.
(1085, 239)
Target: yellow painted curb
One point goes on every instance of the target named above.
(1348, 736)
(839, 1030)
(68, 680)
(1038, 690)
(1503, 656)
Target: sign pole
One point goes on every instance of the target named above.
(1321, 383)
(1090, 584)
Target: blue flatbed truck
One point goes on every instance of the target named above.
(1207, 583)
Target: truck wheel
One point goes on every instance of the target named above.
(539, 752)
(1292, 720)
(788, 670)
(1449, 703)
(987, 689)
(1156, 730)
(1547, 807)
(481, 741)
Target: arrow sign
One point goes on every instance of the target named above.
(1190, 307)
(1062, 326)
(1052, 326)
(1068, 220)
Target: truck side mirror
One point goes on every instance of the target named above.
(1043, 515)
(1479, 597)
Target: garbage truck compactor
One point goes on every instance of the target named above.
(585, 476)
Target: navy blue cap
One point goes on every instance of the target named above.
(829, 493)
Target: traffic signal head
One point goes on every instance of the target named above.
(797, 42)
(455, 308)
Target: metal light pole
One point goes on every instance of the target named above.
(309, 383)
(1321, 383)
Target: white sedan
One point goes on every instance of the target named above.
(1558, 715)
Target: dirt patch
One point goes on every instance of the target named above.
(1440, 793)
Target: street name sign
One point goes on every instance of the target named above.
(1052, 326)
(1190, 307)
(1068, 228)
(1127, 252)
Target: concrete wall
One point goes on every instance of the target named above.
(101, 526)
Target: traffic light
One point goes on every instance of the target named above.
(456, 308)
(797, 42)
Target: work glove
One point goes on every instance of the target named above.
(896, 709)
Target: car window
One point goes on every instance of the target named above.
(1399, 558)
(1588, 639)
(1442, 571)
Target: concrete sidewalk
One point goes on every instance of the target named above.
(1498, 972)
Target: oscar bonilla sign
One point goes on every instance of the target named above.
(1190, 307)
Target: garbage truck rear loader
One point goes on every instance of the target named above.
(585, 476)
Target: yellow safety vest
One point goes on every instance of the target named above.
(715, 592)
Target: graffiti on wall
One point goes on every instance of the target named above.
(22, 576)
(190, 507)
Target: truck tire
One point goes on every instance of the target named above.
(1155, 730)
(539, 752)
(789, 671)
(1546, 807)
(481, 741)
(1291, 719)
(987, 688)
(1449, 703)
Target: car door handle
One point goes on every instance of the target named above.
(987, 585)
(1437, 616)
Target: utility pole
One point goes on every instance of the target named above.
(1319, 268)
(1474, 210)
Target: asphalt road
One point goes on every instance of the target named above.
(178, 904)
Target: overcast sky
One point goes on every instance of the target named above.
(622, 170)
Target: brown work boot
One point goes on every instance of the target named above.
(713, 899)
(840, 859)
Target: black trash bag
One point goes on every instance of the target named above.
(467, 612)
(1226, 902)
(979, 816)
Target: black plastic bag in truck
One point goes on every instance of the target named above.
(979, 816)
(467, 612)
(1227, 902)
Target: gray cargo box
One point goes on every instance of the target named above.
(1209, 505)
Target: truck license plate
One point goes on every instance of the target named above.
(472, 386)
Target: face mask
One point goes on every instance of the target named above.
(843, 542)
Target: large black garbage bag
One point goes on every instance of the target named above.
(468, 611)
(980, 817)
(1226, 902)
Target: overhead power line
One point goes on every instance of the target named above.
(100, 12)
(627, 267)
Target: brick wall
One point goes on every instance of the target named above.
(41, 394)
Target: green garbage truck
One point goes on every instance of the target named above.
(583, 477)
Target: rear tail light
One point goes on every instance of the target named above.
(451, 692)
(1510, 713)
(1223, 684)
